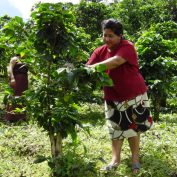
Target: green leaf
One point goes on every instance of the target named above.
(18, 19)
(101, 68)
(67, 97)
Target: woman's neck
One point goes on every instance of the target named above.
(113, 48)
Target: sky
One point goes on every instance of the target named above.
(22, 8)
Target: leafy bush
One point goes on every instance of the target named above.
(158, 62)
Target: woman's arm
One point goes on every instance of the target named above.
(111, 63)
(10, 69)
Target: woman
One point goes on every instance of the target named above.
(126, 103)
(18, 80)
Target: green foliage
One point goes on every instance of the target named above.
(127, 12)
(13, 40)
(52, 35)
(139, 15)
(92, 13)
(166, 29)
(63, 95)
(171, 6)
(55, 34)
(71, 164)
(60, 86)
(3, 20)
(158, 60)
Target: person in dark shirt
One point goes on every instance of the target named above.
(18, 81)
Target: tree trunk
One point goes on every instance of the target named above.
(56, 151)
(156, 104)
(56, 144)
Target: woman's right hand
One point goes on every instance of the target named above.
(12, 83)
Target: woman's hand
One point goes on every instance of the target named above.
(12, 83)
(92, 66)
(98, 67)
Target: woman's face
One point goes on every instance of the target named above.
(110, 38)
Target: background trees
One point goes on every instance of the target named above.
(158, 62)
(89, 16)
(13, 34)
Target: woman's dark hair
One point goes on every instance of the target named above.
(114, 25)
(21, 57)
(17, 55)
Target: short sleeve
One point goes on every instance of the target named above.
(94, 58)
(129, 53)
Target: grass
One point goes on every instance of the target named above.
(22, 143)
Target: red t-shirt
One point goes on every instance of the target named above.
(128, 82)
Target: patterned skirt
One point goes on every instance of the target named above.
(126, 119)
